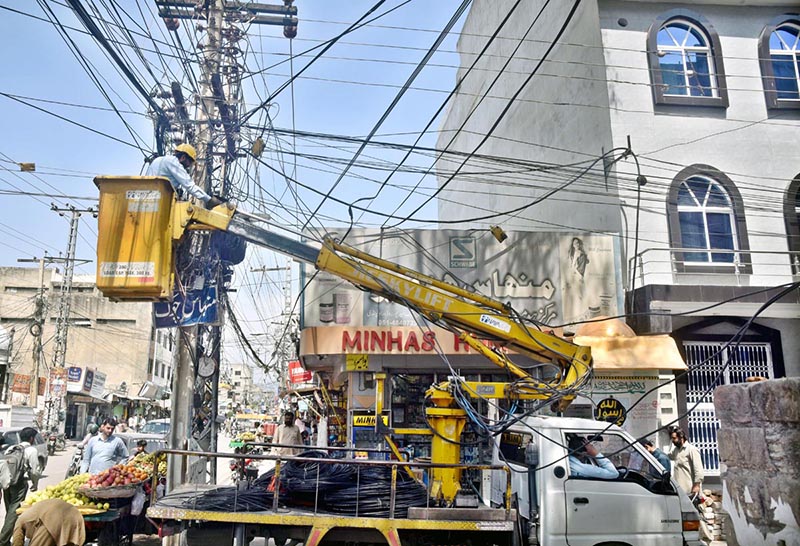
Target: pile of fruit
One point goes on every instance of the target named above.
(121, 474)
(68, 492)
(144, 463)
(246, 437)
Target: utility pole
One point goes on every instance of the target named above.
(194, 399)
(39, 312)
(65, 300)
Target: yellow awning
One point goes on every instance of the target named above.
(633, 352)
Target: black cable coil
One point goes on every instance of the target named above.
(355, 490)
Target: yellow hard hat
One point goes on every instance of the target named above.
(187, 149)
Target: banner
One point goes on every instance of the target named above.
(548, 277)
(193, 307)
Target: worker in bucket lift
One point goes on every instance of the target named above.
(176, 169)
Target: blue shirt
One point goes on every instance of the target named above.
(170, 168)
(103, 453)
(606, 470)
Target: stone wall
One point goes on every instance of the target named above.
(759, 448)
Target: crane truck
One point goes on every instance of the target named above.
(535, 496)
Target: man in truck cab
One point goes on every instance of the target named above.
(176, 168)
(585, 461)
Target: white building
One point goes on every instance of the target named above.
(708, 94)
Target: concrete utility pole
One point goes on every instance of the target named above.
(194, 398)
(39, 312)
(65, 300)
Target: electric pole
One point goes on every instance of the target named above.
(218, 108)
(36, 328)
(64, 302)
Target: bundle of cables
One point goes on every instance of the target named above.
(356, 490)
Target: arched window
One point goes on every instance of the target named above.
(779, 54)
(706, 213)
(707, 221)
(685, 61)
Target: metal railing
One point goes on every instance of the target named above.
(179, 456)
(676, 265)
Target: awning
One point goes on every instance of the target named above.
(633, 352)
(110, 396)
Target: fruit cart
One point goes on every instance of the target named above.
(112, 502)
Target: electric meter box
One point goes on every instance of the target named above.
(134, 243)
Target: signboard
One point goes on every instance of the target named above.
(98, 385)
(58, 381)
(357, 362)
(186, 309)
(610, 410)
(93, 383)
(547, 277)
(368, 420)
(21, 384)
(298, 374)
(88, 381)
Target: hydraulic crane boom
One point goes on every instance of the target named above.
(474, 317)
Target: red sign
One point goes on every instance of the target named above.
(22, 383)
(297, 374)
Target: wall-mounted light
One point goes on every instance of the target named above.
(498, 233)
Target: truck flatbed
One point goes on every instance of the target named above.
(316, 525)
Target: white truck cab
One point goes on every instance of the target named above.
(641, 507)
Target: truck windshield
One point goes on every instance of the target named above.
(625, 453)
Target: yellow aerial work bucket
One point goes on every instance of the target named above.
(134, 245)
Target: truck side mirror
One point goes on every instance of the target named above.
(532, 454)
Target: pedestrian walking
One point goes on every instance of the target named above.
(26, 468)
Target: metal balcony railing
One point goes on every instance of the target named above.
(674, 265)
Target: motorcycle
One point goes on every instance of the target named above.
(243, 471)
(75, 463)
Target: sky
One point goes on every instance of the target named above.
(76, 116)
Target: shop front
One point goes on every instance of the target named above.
(84, 400)
(398, 365)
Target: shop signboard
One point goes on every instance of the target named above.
(98, 384)
(58, 381)
(74, 374)
(548, 277)
(21, 384)
(186, 309)
(298, 374)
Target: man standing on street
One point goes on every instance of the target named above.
(175, 168)
(104, 451)
(687, 467)
(288, 434)
(15, 493)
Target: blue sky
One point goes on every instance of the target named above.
(367, 70)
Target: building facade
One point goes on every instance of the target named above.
(672, 127)
(109, 341)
